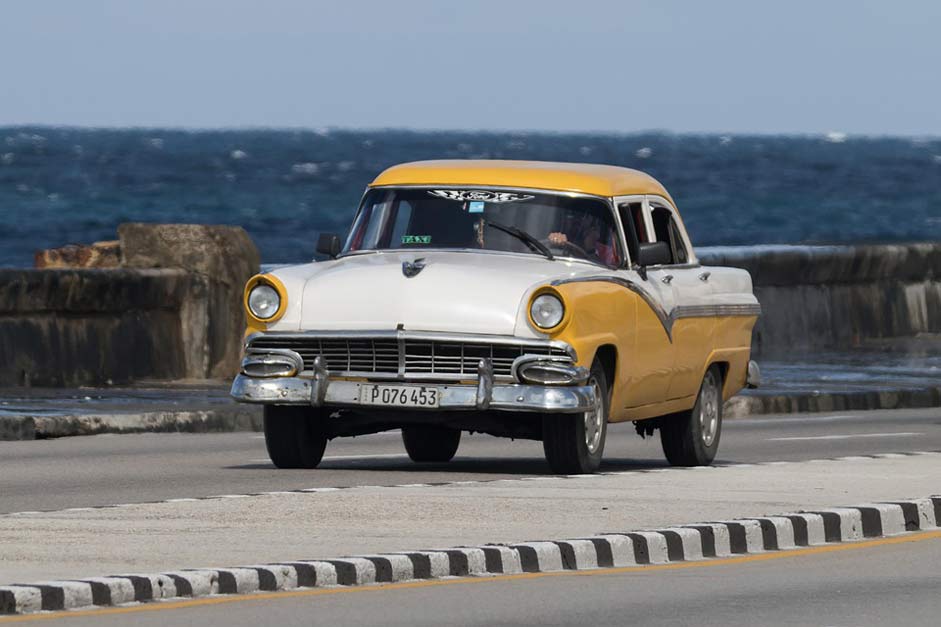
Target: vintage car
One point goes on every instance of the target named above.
(520, 299)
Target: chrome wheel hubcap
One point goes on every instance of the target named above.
(594, 420)
(709, 400)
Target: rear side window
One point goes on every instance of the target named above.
(666, 230)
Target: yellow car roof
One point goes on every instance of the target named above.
(585, 178)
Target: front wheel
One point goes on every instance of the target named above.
(294, 436)
(430, 443)
(691, 438)
(574, 443)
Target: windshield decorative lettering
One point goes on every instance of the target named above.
(479, 195)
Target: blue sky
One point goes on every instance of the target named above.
(599, 65)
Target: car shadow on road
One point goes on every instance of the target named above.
(499, 467)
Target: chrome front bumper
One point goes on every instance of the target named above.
(322, 391)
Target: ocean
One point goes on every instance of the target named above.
(74, 185)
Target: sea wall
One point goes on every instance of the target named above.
(173, 308)
(838, 297)
(171, 311)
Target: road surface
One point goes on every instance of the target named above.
(101, 470)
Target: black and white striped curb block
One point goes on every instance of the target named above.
(661, 546)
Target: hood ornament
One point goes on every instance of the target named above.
(411, 268)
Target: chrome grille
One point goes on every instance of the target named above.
(433, 358)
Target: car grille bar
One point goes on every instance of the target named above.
(409, 355)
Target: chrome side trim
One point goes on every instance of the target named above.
(678, 312)
(708, 311)
(656, 307)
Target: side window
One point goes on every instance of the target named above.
(677, 243)
(632, 217)
(666, 230)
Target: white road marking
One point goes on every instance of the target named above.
(849, 436)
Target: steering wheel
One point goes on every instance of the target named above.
(566, 246)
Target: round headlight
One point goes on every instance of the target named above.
(263, 301)
(547, 311)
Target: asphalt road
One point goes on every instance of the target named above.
(111, 469)
(878, 584)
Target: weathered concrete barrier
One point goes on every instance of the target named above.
(835, 297)
(173, 311)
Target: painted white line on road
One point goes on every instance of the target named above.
(849, 436)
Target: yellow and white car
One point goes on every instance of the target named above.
(520, 299)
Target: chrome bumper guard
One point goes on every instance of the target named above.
(320, 390)
(753, 375)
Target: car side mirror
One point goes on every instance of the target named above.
(652, 254)
(329, 244)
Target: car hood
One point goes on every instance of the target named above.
(454, 292)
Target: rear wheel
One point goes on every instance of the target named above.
(691, 438)
(430, 443)
(574, 443)
(294, 436)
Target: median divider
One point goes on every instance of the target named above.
(692, 542)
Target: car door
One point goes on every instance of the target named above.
(650, 367)
(693, 326)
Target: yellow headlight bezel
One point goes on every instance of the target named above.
(566, 313)
(273, 282)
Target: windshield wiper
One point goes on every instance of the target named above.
(523, 236)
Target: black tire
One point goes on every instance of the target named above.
(294, 436)
(691, 438)
(430, 443)
(565, 436)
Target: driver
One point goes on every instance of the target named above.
(596, 241)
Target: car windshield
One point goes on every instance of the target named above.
(461, 219)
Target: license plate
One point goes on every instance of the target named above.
(399, 395)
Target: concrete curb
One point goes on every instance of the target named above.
(661, 546)
(752, 404)
(236, 417)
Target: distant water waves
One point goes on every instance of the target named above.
(63, 185)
